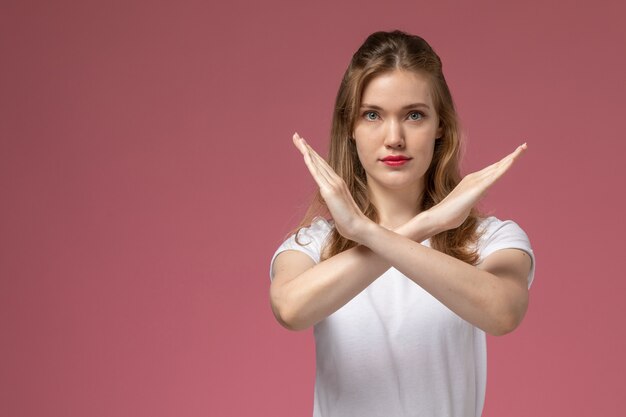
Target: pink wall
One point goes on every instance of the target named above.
(147, 175)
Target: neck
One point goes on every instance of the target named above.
(396, 207)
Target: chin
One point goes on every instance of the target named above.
(398, 185)
(402, 187)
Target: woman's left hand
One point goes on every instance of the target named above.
(452, 211)
(349, 220)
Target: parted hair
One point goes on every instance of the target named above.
(383, 52)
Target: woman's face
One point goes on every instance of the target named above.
(397, 119)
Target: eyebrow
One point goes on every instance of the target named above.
(408, 106)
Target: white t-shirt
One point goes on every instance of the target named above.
(394, 350)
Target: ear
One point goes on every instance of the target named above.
(439, 133)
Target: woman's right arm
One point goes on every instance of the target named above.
(303, 293)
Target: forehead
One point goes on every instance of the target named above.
(397, 89)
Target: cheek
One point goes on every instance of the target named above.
(430, 154)
(359, 153)
(365, 139)
(364, 152)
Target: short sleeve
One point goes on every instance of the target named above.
(505, 234)
(312, 238)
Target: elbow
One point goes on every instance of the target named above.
(503, 328)
(289, 323)
(508, 315)
(506, 323)
(294, 327)
(285, 316)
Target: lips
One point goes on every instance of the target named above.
(395, 158)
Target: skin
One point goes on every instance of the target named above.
(492, 296)
(397, 118)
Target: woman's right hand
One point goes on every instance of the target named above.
(452, 211)
(349, 220)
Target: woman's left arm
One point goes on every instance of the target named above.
(493, 296)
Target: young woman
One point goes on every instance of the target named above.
(405, 279)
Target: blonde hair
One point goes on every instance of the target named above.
(380, 53)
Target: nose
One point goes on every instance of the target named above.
(394, 136)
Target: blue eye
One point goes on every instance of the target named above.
(370, 115)
(415, 115)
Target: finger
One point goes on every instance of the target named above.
(297, 141)
(334, 181)
(319, 178)
(311, 159)
(503, 164)
(497, 170)
(321, 164)
(515, 154)
(507, 161)
(303, 146)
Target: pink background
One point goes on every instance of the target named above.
(147, 176)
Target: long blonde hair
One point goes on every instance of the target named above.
(380, 53)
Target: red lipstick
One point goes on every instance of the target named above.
(395, 160)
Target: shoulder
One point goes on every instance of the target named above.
(317, 231)
(496, 234)
(309, 240)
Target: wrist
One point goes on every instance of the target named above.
(421, 227)
(368, 231)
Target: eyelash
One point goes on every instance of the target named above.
(418, 112)
(367, 113)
